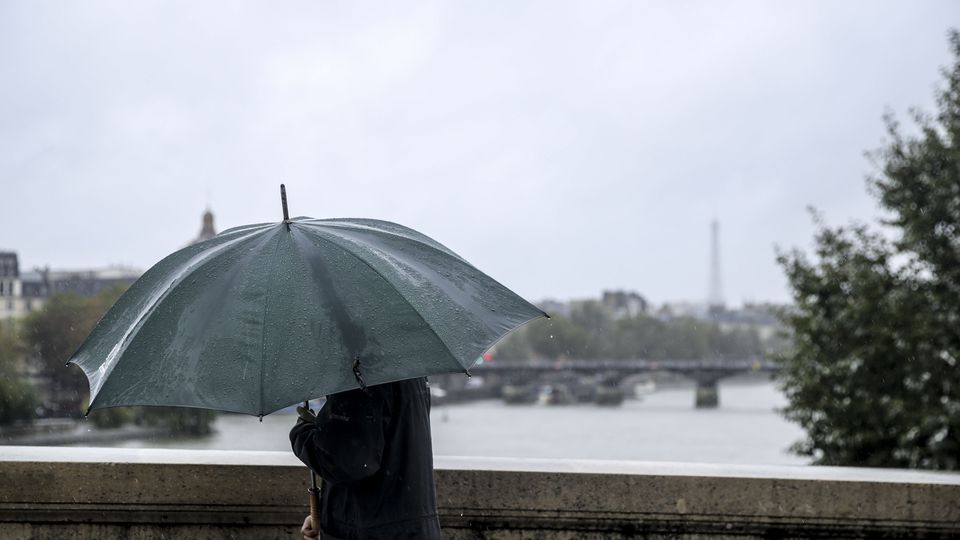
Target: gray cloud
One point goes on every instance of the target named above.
(561, 147)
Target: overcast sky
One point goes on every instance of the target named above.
(564, 148)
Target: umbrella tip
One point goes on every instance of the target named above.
(261, 418)
(547, 315)
(283, 201)
(467, 373)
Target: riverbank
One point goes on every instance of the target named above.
(746, 429)
(664, 426)
(74, 432)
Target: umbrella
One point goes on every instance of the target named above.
(264, 316)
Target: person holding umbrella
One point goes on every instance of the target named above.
(266, 315)
(373, 450)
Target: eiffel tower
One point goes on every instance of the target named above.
(715, 304)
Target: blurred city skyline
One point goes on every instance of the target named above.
(564, 149)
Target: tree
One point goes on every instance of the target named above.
(591, 333)
(54, 333)
(17, 397)
(872, 375)
(598, 325)
(513, 347)
(557, 338)
(178, 420)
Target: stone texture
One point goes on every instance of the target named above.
(96, 493)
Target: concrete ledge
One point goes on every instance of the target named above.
(101, 493)
(631, 500)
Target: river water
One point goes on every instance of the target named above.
(663, 426)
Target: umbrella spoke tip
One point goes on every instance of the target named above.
(283, 201)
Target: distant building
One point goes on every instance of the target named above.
(207, 230)
(84, 282)
(21, 293)
(34, 289)
(11, 303)
(623, 304)
(675, 310)
(760, 317)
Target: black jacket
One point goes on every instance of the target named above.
(372, 448)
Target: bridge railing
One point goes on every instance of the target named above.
(87, 493)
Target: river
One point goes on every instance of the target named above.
(663, 426)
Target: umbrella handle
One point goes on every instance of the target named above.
(315, 507)
(313, 490)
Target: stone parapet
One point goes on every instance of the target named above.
(131, 493)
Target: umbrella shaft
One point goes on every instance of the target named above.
(313, 475)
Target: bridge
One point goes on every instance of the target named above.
(706, 373)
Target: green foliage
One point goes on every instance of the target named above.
(17, 401)
(558, 337)
(50, 336)
(872, 375)
(17, 397)
(514, 346)
(113, 417)
(176, 421)
(54, 333)
(179, 420)
(591, 332)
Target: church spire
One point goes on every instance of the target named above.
(207, 230)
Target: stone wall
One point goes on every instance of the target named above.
(104, 493)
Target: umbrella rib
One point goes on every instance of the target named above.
(263, 321)
(241, 228)
(320, 224)
(324, 236)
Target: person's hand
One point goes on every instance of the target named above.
(306, 414)
(308, 530)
